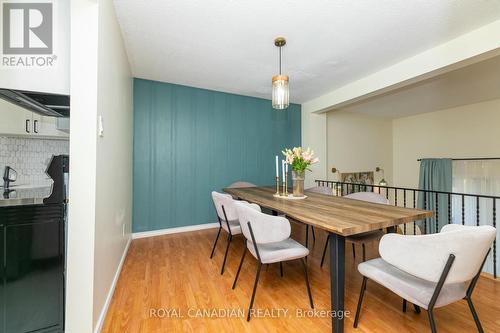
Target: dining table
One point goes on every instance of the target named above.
(340, 217)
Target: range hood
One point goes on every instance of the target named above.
(46, 104)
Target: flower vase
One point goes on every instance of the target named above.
(298, 183)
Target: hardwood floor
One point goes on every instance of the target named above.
(168, 281)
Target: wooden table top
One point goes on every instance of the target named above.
(334, 214)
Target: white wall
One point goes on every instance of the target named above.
(55, 79)
(466, 131)
(114, 156)
(469, 48)
(82, 195)
(101, 167)
(314, 136)
(359, 143)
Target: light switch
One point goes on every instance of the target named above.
(101, 127)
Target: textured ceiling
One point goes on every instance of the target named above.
(472, 84)
(228, 45)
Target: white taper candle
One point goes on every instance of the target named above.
(277, 168)
(283, 169)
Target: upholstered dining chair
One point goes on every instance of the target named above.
(228, 220)
(444, 267)
(322, 190)
(268, 240)
(241, 184)
(365, 237)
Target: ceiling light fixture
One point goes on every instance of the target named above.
(281, 93)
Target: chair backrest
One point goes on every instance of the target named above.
(266, 228)
(226, 201)
(368, 196)
(321, 190)
(429, 253)
(241, 184)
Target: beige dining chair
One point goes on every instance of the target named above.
(366, 237)
(444, 267)
(268, 240)
(241, 184)
(228, 220)
(321, 190)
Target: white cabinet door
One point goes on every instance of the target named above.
(15, 119)
(47, 127)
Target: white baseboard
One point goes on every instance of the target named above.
(160, 232)
(111, 291)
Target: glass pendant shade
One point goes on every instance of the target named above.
(281, 94)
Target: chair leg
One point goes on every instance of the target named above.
(431, 320)
(281, 268)
(314, 236)
(229, 238)
(324, 251)
(254, 290)
(215, 243)
(404, 305)
(307, 283)
(417, 308)
(364, 252)
(353, 251)
(360, 301)
(239, 268)
(474, 314)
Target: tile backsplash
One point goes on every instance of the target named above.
(29, 157)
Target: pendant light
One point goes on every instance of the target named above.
(281, 93)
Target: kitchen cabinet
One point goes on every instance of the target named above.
(32, 286)
(15, 120)
(47, 127)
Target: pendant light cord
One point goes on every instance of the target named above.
(280, 60)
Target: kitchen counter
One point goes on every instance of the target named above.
(24, 195)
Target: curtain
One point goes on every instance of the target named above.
(476, 177)
(435, 175)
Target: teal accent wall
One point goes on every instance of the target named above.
(189, 142)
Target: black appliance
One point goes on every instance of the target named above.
(46, 104)
(32, 258)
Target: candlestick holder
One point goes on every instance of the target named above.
(285, 185)
(277, 185)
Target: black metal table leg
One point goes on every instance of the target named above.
(307, 235)
(337, 279)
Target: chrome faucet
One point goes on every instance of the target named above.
(9, 176)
